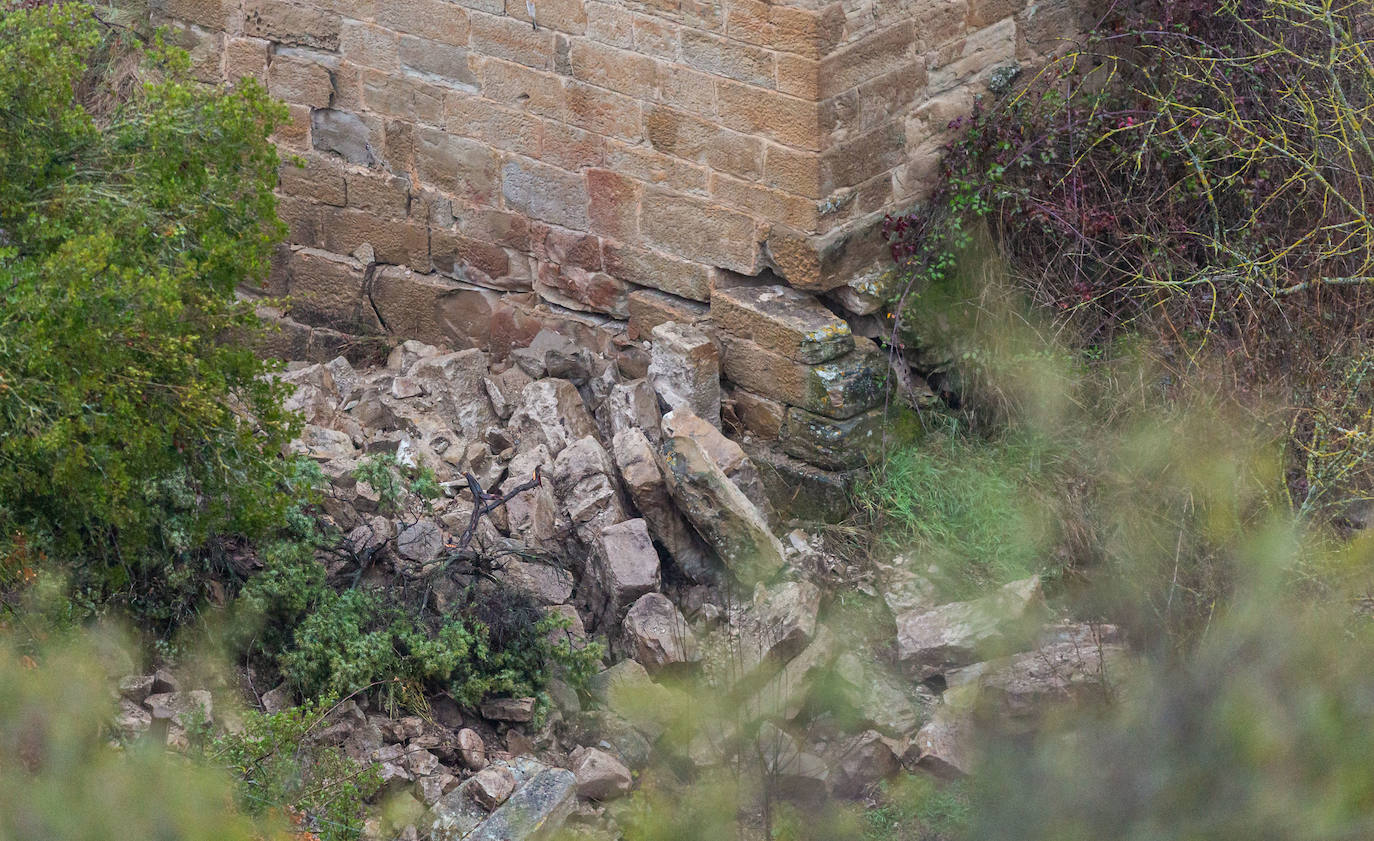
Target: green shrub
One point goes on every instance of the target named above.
(277, 766)
(132, 202)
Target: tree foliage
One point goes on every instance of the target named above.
(132, 202)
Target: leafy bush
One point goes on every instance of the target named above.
(1199, 173)
(132, 202)
(278, 767)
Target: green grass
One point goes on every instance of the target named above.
(918, 808)
(978, 510)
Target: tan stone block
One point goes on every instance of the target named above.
(819, 262)
(840, 388)
(370, 45)
(786, 119)
(792, 171)
(503, 37)
(797, 76)
(781, 320)
(736, 154)
(613, 204)
(568, 16)
(975, 58)
(544, 192)
(1049, 27)
(758, 414)
(657, 270)
(212, 14)
(463, 167)
(245, 58)
(433, 19)
(579, 289)
(445, 62)
(348, 87)
(683, 135)
(302, 218)
(863, 157)
(516, 86)
(470, 115)
(294, 134)
(942, 21)
(616, 69)
(687, 89)
(610, 24)
(418, 305)
(808, 32)
(833, 444)
(570, 148)
(983, 13)
(564, 247)
(385, 195)
(291, 23)
(766, 203)
(491, 7)
(649, 308)
(747, 20)
(721, 57)
(699, 230)
(299, 81)
(388, 93)
(509, 230)
(402, 243)
(847, 207)
(655, 168)
(320, 179)
(326, 289)
(456, 255)
(657, 37)
(602, 111)
(878, 54)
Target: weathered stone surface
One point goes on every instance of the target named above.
(727, 454)
(861, 762)
(599, 775)
(639, 468)
(537, 808)
(879, 699)
(833, 444)
(455, 380)
(421, 542)
(657, 633)
(532, 514)
(181, 708)
(783, 617)
(631, 405)
(649, 308)
(960, 633)
(509, 709)
(626, 564)
(552, 413)
(544, 583)
(626, 690)
(587, 485)
(734, 526)
(803, 490)
(504, 389)
(944, 745)
(603, 727)
(783, 320)
(471, 749)
(684, 369)
(491, 786)
(798, 774)
(839, 388)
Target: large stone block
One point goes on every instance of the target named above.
(345, 134)
(545, 192)
(292, 23)
(648, 490)
(657, 270)
(684, 369)
(699, 230)
(457, 165)
(579, 289)
(327, 289)
(650, 308)
(781, 319)
(626, 564)
(300, 81)
(840, 388)
(833, 444)
(435, 58)
(437, 19)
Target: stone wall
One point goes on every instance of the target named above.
(478, 169)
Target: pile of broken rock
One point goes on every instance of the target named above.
(651, 529)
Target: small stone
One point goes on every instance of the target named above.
(471, 749)
(491, 786)
(421, 762)
(404, 388)
(599, 775)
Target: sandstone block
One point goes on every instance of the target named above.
(727, 519)
(626, 564)
(387, 196)
(699, 230)
(611, 24)
(552, 413)
(658, 634)
(244, 58)
(328, 289)
(587, 486)
(840, 388)
(789, 120)
(544, 192)
(579, 289)
(613, 204)
(634, 456)
(457, 165)
(658, 271)
(600, 776)
(783, 320)
(649, 308)
(631, 405)
(319, 179)
(758, 414)
(615, 69)
(299, 81)
(398, 243)
(603, 112)
(344, 134)
(435, 58)
(436, 19)
(723, 57)
(830, 443)
(291, 23)
(370, 45)
(960, 633)
(688, 89)
(684, 369)
(727, 454)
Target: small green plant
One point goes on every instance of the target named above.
(278, 767)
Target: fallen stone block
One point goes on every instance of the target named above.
(961, 633)
(684, 369)
(783, 320)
